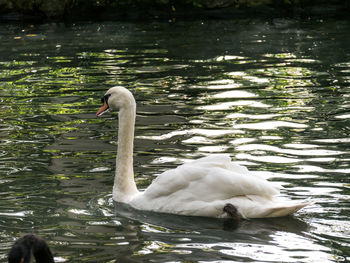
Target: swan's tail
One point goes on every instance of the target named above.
(253, 206)
(286, 208)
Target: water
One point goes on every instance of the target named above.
(273, 94)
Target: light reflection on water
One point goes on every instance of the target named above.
(271, 94)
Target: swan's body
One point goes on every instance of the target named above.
(199, 188)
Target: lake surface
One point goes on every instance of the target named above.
(274, 94)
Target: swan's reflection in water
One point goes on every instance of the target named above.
(161, 235)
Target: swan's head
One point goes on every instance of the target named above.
(116, 98)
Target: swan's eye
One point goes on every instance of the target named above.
(105, 98)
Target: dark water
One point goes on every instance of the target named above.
(273, 94)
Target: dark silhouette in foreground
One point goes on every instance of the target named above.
(29, 245)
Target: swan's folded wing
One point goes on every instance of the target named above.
(207, 179)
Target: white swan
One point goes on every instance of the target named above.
(211, 186)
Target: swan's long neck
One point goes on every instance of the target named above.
(124, 183)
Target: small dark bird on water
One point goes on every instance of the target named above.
(29, 245)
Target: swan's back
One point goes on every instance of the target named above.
(213, 177)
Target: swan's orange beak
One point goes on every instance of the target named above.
(103, 109)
